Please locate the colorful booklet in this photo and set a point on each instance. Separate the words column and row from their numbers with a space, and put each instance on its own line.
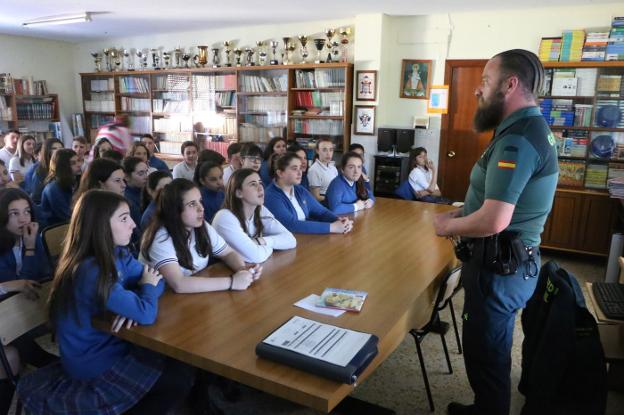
column 342, row 299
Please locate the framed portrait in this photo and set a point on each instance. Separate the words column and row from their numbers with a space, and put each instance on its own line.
column 366, row 85
column 415, row 79
column 364, row 120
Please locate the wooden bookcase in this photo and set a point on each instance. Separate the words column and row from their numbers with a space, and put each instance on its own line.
column 31, row 114
column 246, row 103
column 583, row 216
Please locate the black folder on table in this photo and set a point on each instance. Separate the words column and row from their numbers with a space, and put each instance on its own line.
column 345, row 374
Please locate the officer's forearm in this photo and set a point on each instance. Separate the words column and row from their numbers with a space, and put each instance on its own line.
column 493, row 217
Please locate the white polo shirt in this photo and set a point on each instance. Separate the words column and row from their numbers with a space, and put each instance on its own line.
column 321, row 175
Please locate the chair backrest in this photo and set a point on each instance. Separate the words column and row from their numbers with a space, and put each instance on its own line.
column 449, row 286
column 20, row 315
column 53, row 237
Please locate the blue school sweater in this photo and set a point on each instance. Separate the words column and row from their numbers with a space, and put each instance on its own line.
column 264, row 174
column 85, row 351
column 34, row 267
column 341, row 196
column 133, row 194
column 55, row 204
column 318, row 217
column 33, row 183
column 158, row 164
column 212, row 201
column 150, row 210
column 304, row 181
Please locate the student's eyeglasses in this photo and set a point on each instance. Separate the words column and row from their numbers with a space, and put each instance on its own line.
column 141, row 173
column 253, row 159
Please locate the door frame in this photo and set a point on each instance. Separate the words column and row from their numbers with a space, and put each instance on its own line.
column 449, row 66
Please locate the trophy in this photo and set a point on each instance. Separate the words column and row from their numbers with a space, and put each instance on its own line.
column 142, row 55
column 115, row 59
column 285, row 60
column 274, row 44
column 186, row 57
column 262, row 55
column 106, row 52
column 98, row 61
column 202, row 57
column 291, row 48
column 166, row 59
column 155, row 58
column 238, row 52
column 215, row 57
column 330, row 33
column 304, row 50
column 228, row 51
column 249, row 57
column 345, row 32
column 320, row 44
column 128, row 60
column 177, row 57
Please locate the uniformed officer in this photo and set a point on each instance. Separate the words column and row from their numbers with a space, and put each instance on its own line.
column 511, row 188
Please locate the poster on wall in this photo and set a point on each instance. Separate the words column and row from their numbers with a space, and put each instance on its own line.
column 364, row 120
column 415, row 79
column 366, row 85
column 438, row 99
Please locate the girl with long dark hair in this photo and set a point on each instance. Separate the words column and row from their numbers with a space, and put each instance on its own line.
column 34, row 181
column 56, row 199
column 24, row 158
column 209, row 178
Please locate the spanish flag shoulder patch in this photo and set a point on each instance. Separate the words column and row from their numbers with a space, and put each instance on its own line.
column 505, row 164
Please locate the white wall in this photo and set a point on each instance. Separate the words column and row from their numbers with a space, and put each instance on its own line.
column 44, row 60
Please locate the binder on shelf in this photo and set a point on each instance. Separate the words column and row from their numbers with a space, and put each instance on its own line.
column 322, row 349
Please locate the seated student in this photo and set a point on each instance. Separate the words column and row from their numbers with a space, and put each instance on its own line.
column 301, row 153
column 178, row 242
column 23, row 159
column 277, row 145
column 34, row 181
column 155, row 182
column 101, row 146
column 79, row 145
column 62, row 181
column 5, row 179
column 347, row 193
column 211, row 156
column 209, row 179
column 98, row 372
column 422, row 183
column 323, row 170
column 154, row 161
column 102, row 174
column 251, row 157
column 294, row 206
column 186, row 168
column 139, row 150
column 9, row 149
column 245, row 224
column 23, row 262
column 234, row 160
column 135, row 170
column 359, row 149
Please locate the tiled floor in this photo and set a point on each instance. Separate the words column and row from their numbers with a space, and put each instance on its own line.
column 397, row 384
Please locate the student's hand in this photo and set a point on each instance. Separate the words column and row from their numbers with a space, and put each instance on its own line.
column 150, row 276
column 430, row 165
column 241, row 280
column 255, row 270
column 342, row 225
column 368, row 203
column 30, row 235
column 119, row 321
column 360, row 204
column 441, row 221
column 30, row 288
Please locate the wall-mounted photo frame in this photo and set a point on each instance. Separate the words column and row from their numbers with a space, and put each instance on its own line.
column 364, row 120
column 415, row 79
column 366, row 85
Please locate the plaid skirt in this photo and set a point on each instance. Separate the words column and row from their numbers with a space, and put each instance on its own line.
column 50, row 390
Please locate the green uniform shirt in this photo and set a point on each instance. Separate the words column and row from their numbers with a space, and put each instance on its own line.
column 518, row 167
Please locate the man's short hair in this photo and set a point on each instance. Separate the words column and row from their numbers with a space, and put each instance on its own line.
column 80, row 139
column 188, row 144
column 524, row 65
column 233, row 149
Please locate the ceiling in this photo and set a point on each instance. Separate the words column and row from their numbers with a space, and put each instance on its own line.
column 121, row 18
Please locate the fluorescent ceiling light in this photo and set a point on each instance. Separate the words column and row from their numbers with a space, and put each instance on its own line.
column 60, row 19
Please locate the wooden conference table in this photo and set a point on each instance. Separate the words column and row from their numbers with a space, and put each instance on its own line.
column 392, row 253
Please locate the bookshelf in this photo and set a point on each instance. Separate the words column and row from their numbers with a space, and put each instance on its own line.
column 248, row 103
column 37, row 115
column 584, row 104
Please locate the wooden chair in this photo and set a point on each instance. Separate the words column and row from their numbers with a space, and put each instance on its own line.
column 53, row 239
column 450, row 285
column 19, row 316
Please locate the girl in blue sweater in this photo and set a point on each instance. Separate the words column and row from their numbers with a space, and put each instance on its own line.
column 34, row 180
column 155, row 182
column 294, row 206
column 136, row 179
column 102, row 174
column 98, row 372
column 277, row 145
column 23, row 263
column 209, row 178
column 56, row 199
column 348, row 192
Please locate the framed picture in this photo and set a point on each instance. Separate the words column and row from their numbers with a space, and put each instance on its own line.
column 364, row 120
column 415, row 79
column 366, row 85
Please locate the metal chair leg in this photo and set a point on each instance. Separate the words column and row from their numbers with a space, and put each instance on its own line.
column 424, row 372
column 457, row 338
column 446, row 353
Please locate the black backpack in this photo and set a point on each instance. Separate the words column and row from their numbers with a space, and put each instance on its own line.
column 563, row 364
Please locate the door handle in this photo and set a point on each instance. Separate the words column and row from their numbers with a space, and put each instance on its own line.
column 450, row 154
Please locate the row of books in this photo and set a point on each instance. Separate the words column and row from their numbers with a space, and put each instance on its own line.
column 176, row 124
column 135, row 104
column 572, row 143
column 254, row 133
column 308, row 99
column 610, row 85
column 271, row 119
column 77, row 124
column 319, row 78
column 216, row 99
column 177, row 82
column 264, row 83
column 133, row 85
column 174, row 96
column 6, row 83
column 221, row 125
column 162, row 105
column 577, row 173
column 28, row 86
column 558, row 112
column 140, row 124
column 107, row 84
column 36, row 111
column 615, row 47
column 171, row 142
column 99, row 106
column 317, row 127
column 570, row 82
column 261, row 104
column 595, row 45
column 206, row 83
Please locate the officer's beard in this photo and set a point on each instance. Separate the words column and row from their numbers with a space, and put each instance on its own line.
column 490, row 113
